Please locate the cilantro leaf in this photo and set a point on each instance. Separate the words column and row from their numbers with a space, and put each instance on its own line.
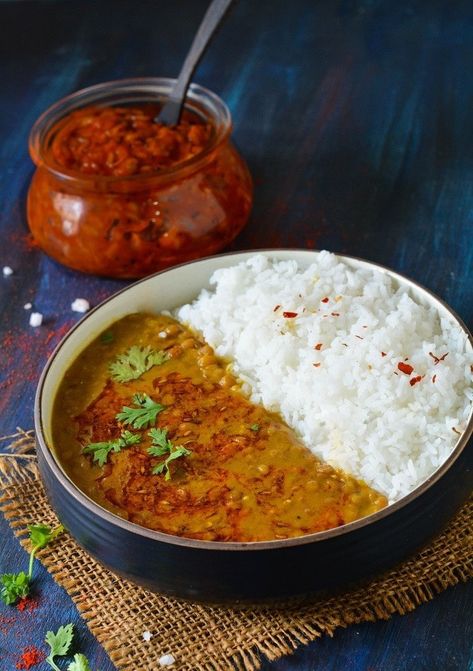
column 137, row 360
column 80, row 663
column 59, row 642
column 102, row 450
column 254, row 427
column 15, row 586
column 143, row 415
column 161, row 445
column 107, row 337
column 41, row 534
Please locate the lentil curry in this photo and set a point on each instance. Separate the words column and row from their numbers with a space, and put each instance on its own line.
column 153, row 426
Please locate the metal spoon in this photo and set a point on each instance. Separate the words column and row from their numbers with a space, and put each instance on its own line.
column 171, row 111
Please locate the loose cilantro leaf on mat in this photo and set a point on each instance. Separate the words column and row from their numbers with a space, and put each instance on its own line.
column 16, row 586
column 161, row 446
column 137, row 360
column 59, row 642
column 41, row 534
column 143, row 415
column 102, row 450
column 80, row 663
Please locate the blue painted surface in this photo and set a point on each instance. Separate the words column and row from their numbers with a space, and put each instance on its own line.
column 355, row 119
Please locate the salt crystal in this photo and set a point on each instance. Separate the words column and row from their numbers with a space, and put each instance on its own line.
column 36, row 319
column 147, row 635
column 27, row 306
column 166, row 660
column 80, row 305
column 7, row 271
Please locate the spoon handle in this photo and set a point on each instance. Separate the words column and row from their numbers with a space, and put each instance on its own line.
column 171, row 111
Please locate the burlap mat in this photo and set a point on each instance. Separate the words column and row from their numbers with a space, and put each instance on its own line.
column 205, row 638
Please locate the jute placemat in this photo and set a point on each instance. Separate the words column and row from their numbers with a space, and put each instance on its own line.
column 205, row 638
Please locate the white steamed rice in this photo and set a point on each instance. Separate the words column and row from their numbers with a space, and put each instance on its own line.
column 356, row 410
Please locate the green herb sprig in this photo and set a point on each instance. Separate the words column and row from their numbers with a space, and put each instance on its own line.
column 134, row 362
column 101, row 450
column 143, row 415
column 17, row 586
column 59, row 643
column 162, row 446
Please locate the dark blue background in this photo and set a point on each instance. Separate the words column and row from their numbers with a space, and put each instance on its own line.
column 355, row 120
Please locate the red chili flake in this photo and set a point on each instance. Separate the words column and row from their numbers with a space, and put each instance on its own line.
column 318, row 346
column 383, row 353
column 316, row 365
column 30, row 657
column 335, row 314
column 434, row 378
column 456, row 430
column 289, row 315
column 405, row 368
column 27, row 604
column 438, row 359
column 325, row 300
column 276, row 308
column 415, row 380
column 360, row 338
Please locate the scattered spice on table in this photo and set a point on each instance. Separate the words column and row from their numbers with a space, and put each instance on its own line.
column 31, row 656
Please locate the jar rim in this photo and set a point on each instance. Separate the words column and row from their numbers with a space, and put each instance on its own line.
column 199, row 99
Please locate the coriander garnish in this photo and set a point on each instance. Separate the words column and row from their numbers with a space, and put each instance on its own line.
column 255, row 427
column 16, row 586
column 137, row 360
column 80, row 663
column 162, row 446
column 106, row 338
column 102, row 450
column 142, row 416
column 59, row 642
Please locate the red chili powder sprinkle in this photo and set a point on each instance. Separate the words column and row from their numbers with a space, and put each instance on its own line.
column 318, row 346
column 434, row 378
column 383, row 353
column 438, row 359
column 30, row 657
column 405, row 368
column 27, row 604
column 325, row 300
column 415, row 380
column 276, row 308
column 289, row 315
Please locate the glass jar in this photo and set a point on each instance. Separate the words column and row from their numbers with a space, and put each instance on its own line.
column 131, row 226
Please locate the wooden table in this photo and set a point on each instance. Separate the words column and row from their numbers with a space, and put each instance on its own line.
column 355, row 119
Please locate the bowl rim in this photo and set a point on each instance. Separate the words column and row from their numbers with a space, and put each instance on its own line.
column 278, row 544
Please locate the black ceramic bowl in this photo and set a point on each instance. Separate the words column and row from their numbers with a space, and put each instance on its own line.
column 221, row 572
